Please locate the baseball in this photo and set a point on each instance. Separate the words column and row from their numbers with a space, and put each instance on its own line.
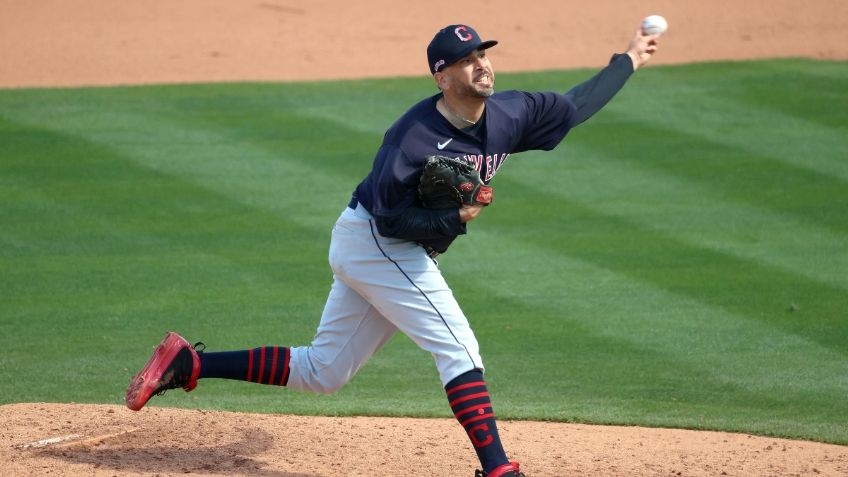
column 654, row 25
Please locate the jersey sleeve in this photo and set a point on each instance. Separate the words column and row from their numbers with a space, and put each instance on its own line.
column 549, row 116
column 592, row 95
column 546, row 121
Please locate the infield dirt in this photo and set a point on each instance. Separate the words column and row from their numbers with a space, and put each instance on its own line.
column 96, row 42
column 101, row 440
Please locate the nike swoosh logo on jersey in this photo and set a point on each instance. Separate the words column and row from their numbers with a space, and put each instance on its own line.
column 442, row 145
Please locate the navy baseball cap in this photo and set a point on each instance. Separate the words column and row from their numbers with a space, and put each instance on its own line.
column 453, row 43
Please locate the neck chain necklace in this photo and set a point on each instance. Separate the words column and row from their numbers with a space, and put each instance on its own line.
column 454, row 114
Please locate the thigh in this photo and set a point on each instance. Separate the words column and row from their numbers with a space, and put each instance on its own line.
column 406, row 287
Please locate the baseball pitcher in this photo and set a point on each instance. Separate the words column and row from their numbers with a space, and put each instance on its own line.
column 429, row 179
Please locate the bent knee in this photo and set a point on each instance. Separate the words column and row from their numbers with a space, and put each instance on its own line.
column 311, row 374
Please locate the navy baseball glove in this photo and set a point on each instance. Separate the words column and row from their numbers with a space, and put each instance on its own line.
column 447, row 182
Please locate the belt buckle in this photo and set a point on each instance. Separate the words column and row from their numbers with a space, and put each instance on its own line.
column 431, row 252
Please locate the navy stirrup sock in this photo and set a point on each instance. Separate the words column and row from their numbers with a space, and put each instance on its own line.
column 263, row 365
column 469, row 400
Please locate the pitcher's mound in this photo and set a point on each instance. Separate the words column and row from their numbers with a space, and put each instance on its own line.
column 71, row 439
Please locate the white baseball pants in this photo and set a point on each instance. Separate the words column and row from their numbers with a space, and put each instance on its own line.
column 381, row 285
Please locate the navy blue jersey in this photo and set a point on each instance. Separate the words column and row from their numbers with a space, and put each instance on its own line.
column 512, row 122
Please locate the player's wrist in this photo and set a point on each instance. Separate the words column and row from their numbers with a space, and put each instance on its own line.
column 469, row 212
column 464, row 215
column 634, row 59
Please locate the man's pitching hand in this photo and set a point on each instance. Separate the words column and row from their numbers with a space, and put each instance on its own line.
column 642, row 47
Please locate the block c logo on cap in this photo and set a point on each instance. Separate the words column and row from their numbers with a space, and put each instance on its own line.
column 462, row 33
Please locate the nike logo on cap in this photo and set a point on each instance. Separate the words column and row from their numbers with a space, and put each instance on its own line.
column 442, row 145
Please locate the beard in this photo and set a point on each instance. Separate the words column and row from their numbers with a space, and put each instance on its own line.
column 477, row 90
column 483, row 91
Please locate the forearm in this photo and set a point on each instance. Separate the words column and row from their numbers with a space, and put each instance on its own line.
column 421, row 225
column 592, row 95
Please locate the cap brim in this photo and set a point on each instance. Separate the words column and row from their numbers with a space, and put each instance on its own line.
column 486, row 45
column 482, row 46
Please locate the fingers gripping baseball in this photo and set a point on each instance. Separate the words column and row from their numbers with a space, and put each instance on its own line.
column 646, row 40
column 642, row 48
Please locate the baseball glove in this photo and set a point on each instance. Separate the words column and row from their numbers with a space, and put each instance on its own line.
column 447, row 182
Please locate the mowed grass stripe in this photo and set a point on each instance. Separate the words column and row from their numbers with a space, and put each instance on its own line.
column 743, row 287
column 112, row 195
column 689, row 211
column 280, row 161
column 137, row 224
column 760, row 181
column 791, row 140
column 91, row 201
column 791, row 111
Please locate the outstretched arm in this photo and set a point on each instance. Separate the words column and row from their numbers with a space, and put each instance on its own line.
column 591, row 95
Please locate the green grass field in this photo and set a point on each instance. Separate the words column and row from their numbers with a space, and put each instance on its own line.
column 681, row 260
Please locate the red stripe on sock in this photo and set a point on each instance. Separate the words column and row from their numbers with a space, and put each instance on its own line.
column 465, row 386
column 471, row 409
column 468, row 398
column 273, row 365
column 477, row 418
column 261, row 364
column 284, row 379
column 250, row 365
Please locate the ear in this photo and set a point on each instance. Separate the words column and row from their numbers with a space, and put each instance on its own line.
column 442, row 81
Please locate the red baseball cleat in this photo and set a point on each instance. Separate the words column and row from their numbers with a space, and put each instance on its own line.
column 174, row 364
column 506, row 470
